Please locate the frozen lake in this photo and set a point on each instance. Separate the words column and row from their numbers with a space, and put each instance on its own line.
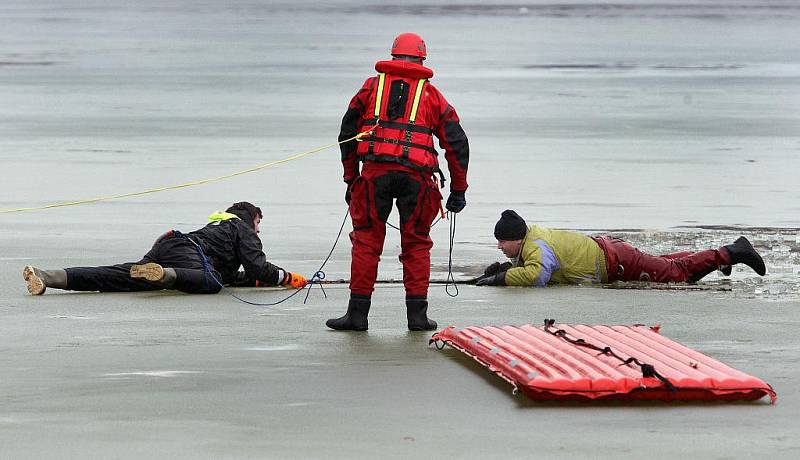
column 673, row 124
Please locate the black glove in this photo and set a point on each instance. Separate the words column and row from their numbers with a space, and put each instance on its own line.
column 498, row 279
column 496, row 267
column 349, row 191
column 456, row 202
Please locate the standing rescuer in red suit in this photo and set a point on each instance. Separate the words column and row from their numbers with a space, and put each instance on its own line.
column 399, row 163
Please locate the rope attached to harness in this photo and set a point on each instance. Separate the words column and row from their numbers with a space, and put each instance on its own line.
column 648, row 370
column 320, row 275
column 210, row 274
column 188, row 184
column 450, row 280
column 315, row 279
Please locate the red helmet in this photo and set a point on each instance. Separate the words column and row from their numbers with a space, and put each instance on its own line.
column 409, row 44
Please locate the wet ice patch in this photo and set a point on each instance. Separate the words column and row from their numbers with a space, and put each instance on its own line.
column 71, row 317
column 278, row 312
column 288, row 347
column 26, row 63
column 10, row 421
column 158, row 374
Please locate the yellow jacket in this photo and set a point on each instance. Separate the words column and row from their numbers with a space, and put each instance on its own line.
column 558, row 257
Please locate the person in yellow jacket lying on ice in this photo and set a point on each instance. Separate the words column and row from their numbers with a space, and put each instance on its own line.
column 199, row 262
column 541, row 256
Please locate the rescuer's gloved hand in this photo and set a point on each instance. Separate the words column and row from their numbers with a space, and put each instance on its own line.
column 456, row 202
column 496, row 267
column 348, row 192
column 498, row 279
column 294, row 280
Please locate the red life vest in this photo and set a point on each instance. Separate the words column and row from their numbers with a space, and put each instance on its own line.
column 402, row 133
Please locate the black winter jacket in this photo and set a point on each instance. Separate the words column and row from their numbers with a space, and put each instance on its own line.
column 233, row 243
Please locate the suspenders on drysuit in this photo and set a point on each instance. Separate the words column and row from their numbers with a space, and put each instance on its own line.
column 381, row 146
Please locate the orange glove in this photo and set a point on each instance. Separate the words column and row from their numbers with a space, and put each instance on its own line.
column 294, row 280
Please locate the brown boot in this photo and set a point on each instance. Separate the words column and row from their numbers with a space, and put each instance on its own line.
column 39, row 280
column 155, row 273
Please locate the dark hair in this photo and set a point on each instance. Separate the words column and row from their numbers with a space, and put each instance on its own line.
column 243, row 207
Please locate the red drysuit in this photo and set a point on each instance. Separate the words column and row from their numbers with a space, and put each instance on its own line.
column 399, row 163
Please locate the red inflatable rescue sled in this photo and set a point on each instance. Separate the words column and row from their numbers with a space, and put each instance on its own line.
column 564, row 362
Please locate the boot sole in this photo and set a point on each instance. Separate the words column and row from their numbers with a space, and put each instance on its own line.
column 423, row 328
column 150, row 271
column 355, row 329
column 35, row 284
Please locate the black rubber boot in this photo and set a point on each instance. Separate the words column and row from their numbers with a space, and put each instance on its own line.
column 742, row 252
column 417, row 313
column 356, row 317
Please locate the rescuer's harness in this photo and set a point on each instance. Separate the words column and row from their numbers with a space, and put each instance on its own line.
column 394, row 140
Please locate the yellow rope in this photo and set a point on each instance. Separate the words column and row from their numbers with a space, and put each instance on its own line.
column 357, row 137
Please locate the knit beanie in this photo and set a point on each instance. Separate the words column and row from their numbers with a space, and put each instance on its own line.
column 510, row 227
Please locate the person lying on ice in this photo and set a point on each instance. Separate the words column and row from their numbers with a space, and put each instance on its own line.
column 542, row 256
column 230, row 240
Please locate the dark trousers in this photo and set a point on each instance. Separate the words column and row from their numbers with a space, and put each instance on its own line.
column 418, row 201
column 627, row 263
column 171, row 252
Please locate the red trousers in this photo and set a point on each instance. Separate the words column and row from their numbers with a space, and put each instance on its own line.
column 418, row 202
column 626, row 263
